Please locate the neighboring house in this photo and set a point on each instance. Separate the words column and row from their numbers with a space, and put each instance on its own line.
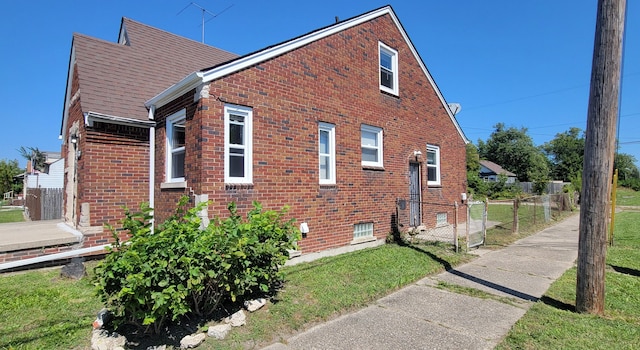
column 339, row 124
column 490, row 171
column 42, row 189
column 52, row 176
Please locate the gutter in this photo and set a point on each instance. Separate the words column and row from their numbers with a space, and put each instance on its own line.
column 91, row 117
column 152, row 165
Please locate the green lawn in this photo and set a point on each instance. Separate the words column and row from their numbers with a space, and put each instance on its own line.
column 41, row 311
column 13, row 215
column 530, row 220
column 627, row 196
column 552, row 323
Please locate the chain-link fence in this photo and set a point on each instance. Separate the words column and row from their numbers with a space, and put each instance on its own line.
column 529, row 212
column 424, row 221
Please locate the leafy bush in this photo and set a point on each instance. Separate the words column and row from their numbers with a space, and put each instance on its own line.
column 631, row 183
column 181, row 268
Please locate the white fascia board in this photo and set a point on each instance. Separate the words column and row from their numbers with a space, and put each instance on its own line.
column 176, row 90
column 241, row 63
column 197, row 78
column 429, row 77
column 67, row 95
column 271, row 52
column 91, row 117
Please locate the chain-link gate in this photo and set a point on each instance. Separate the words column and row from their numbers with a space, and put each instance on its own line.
column 476, row 223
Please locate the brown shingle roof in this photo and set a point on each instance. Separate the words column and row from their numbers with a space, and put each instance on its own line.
column 117, row 79
column 495, row 168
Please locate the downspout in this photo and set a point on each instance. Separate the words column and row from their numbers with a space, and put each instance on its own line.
column 152, row 165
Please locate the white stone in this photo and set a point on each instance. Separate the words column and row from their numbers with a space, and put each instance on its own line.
column 236, row 320
column 219, row 331
column 103, row 340
column 192, row 341
column 254, row 305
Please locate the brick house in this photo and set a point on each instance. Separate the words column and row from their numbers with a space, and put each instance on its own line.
column 343, row 124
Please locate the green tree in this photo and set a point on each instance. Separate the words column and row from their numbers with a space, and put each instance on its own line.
column 34, row 155
column 566, row 153
column 8, row 170
column 626, row 165
column 514, row 150
column 475, row 184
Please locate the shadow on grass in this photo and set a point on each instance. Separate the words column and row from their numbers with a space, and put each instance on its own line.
column 560, row 305
column 626, row 270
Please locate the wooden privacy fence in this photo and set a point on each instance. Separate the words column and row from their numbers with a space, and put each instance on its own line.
column 44, row 203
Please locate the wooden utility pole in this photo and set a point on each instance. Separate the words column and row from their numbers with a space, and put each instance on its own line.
column 598, row 155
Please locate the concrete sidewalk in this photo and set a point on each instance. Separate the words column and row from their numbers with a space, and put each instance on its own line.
column 421, row 316
column 36, row 234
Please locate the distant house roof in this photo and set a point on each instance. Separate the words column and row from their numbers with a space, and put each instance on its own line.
column 117, row 78
column 495, row 169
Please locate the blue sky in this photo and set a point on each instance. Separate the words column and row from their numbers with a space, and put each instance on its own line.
column 523, row 63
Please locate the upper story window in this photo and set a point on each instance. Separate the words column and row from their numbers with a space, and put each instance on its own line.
column 433, row 165
column 327, row 153
column 175, row 146
column 388, row 69
column 238, row 149
column 371, row 142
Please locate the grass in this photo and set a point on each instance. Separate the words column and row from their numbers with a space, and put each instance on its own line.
column 627, row 197
column 13, row 215
column 530, row 220
column 42, row 311
column 552, row 322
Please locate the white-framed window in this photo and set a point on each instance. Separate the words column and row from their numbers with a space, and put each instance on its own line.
column 327, row 153
column 433, row 165
column 238, row 148
column 371, row 142
column 363, row 230
column 388, row 69
column 441, row 219
column 175, row 146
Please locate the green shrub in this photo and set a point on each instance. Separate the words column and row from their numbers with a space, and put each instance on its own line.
column 181, row 268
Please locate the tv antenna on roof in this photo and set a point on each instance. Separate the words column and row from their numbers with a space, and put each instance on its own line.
column 204, row 12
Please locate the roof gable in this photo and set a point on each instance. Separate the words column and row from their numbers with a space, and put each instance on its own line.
column 116, row 78
column 495, row 168
column 218, row 71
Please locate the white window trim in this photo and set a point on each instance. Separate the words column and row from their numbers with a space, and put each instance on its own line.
column 331, row 129
column 171, row 120
column 379, row 138
column 436, row 149
column 247, row 113
column 394, row 68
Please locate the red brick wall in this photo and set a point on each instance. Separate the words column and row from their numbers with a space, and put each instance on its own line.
column 332, row 80
column 113, row 171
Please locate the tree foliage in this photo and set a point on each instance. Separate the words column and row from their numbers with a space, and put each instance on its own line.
column 35, row 156
column 182, row 269
column 8, row 170
column 566, row 154
column 514, row 150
